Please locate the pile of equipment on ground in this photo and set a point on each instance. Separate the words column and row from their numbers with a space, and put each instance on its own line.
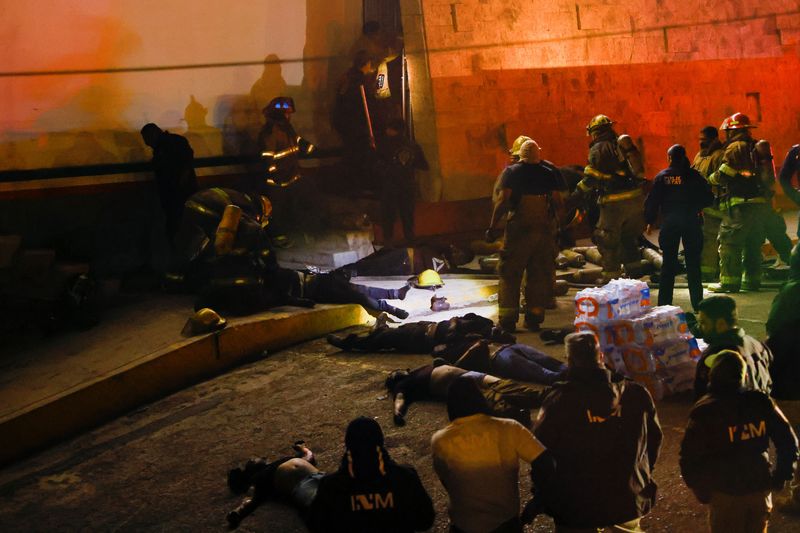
column 651, row 345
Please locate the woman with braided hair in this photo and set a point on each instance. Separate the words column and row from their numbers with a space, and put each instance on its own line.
column 369, row 492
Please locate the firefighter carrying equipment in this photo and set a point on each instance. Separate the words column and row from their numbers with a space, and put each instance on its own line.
column 203, row 321
column 427, row 279
column 598, row 122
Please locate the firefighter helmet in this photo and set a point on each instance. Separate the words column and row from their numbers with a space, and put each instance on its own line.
column 280, row 104
column 517, row 145
column 598, row 122
column 737, row 121
column 427, row 279
column 203, row 321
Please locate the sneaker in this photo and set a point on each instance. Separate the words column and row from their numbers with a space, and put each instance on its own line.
column 719, row 288
column 751, row 288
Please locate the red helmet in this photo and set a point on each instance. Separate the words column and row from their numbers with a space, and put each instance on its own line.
column 737, row 121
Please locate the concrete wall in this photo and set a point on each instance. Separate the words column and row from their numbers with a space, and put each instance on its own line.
column 662, row 69
column 79, row 79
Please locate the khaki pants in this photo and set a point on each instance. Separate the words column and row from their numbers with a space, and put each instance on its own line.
column 709, row 258
column 740, row 236
column 748, row 513
column 529, row 249
column 631, row 526
column 621, row 222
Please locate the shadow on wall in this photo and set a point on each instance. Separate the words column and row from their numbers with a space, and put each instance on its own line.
column 240, row 114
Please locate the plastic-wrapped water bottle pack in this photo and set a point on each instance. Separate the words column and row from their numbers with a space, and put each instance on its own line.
column 651, row 345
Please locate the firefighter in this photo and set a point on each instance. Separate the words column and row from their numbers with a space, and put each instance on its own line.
column 679, row 193
column 706, row 161
column 530, row 193
column 281, row 148
column 621, row 200
column 745, row 176
column 223, row 249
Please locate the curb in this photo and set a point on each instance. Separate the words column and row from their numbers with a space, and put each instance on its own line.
column 158, row 374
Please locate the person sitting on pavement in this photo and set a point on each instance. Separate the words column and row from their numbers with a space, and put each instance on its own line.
column 783, row 328
column 724, row 456
column 718, row 322
column 438, row 338
column 369, row 492
column 477, row 459
column 604, row 434
column 506, row 397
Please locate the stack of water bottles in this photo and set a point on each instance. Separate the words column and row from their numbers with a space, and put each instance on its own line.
column 651, row 345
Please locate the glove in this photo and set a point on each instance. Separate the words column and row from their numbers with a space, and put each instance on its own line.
column 491, row 235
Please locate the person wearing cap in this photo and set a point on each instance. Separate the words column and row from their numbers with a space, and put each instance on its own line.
column 783, row 329
column 397, row 160
column 724, row 455
column 604, row 434
column 679, row 195
column 611, row 176
column 717, row 319
column 531, row 194
column 369, row 492
column 477, row 459
column 706, row 161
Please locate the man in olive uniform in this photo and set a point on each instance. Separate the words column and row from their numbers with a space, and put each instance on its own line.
column 746, row 175
column 530, row 192
column 706, row 161
column 621, row 200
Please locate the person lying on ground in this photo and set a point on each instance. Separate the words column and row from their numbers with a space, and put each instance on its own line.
column 437, row 338
column 335, row 287
column 369, row 492
column 506, row 398
column 520, row 362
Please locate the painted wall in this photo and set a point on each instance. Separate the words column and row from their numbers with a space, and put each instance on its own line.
column 662, row 69
column 79, row 79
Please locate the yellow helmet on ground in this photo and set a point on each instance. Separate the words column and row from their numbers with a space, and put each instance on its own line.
column 203, row 321
column 427, row 279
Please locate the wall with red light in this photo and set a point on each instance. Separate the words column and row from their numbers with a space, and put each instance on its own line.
column 662, row 69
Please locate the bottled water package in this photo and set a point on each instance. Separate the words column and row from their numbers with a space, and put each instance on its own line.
column 638, row 360
column 613, row 357
column 676, row 352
